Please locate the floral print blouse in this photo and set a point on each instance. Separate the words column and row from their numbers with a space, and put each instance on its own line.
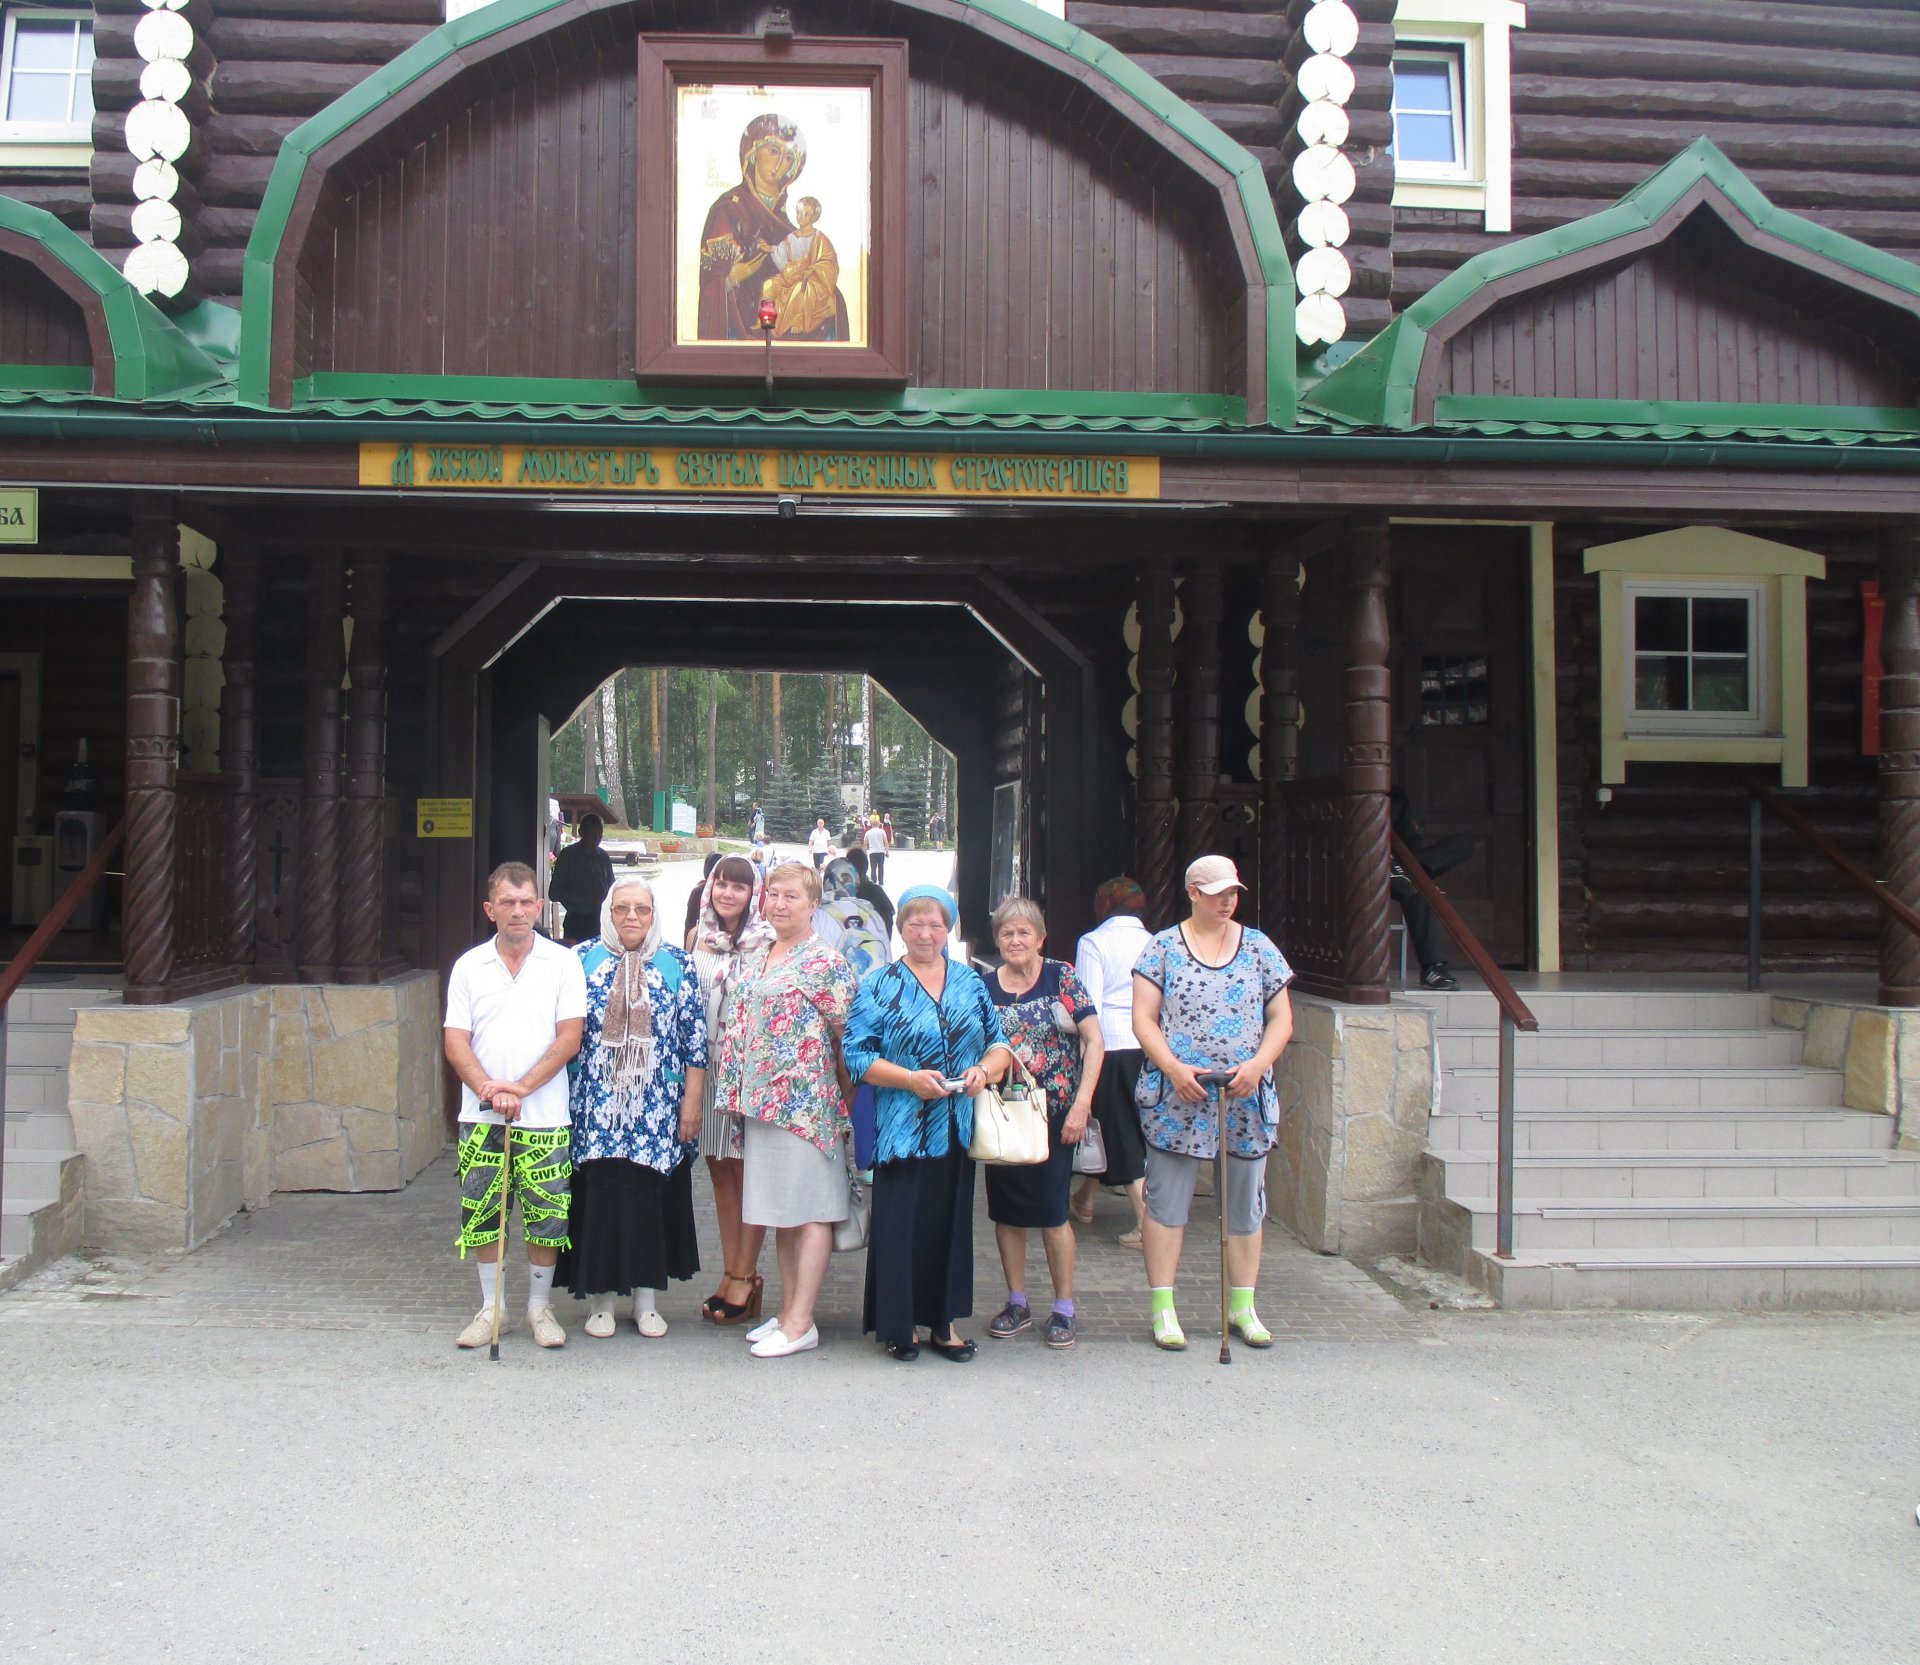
column 779, row 1053
column 652, row 1138
column 1213, row 1017
column 1051, row 1056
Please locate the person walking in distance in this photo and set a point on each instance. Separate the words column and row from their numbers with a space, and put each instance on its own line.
column 582, row 875
column 820, row 843
column 516, row 1006
column 876, row 845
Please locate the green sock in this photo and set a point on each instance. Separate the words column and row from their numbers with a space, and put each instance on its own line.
column 1238, row 1301
column 1162, row 1300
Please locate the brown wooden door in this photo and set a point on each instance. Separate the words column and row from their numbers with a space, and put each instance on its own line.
column 9, row 785
column 1460, row 664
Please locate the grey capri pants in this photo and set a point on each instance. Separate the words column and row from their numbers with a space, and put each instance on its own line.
column 1171, row 1180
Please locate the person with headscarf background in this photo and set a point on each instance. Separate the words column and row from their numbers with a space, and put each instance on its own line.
column 727, row 925
column 846, row 922
column 917, row 1024
column 635, row 1105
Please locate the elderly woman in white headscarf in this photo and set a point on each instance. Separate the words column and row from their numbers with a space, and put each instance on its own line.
column 636, row 1098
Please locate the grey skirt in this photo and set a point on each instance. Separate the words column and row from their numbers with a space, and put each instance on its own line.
column 790, row 1181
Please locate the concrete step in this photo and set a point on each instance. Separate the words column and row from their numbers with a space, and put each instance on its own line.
column 1475, row 1087
column 1575, row 1009
column 1663, row 1173
column 1675, row 1280
column 1698, row 1224
column 1635, row 1049
column 38, row 1229
column 34, row 1175
column 56, row 1003
column 39, row 1130
column 1543, row 1132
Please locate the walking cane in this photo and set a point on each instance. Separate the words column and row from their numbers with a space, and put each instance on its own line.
column 1217, row 1080
column 506, row 1209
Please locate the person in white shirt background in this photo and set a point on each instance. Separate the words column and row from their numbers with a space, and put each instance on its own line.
column 820, row 843
column 876, row 844
column 1104, row 965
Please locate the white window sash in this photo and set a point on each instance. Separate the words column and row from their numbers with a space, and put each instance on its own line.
column 41, row 132
column 1462, row 167
column 1753, row 720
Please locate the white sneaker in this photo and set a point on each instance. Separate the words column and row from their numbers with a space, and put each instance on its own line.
column 600, row 1322
column 546, row 1328
column 650, row 1324
column 480, row 1332
column 777, row 1346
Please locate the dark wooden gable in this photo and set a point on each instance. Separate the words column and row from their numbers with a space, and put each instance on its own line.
column 489, row 229
column 39, row 324
column 1698, row 317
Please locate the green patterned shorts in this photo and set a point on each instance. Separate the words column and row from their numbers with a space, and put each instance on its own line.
column 542, row 1174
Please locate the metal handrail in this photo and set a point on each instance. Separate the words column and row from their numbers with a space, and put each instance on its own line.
column 23, row 962
column 1514, row 1016
column 1760, row 795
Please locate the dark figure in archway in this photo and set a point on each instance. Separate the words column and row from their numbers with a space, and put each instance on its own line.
column 582, row 876
column 1441, row 855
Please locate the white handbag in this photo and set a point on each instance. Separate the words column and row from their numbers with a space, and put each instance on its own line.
column 1090, row 1155
column 850, row 1234
column 1010, row 1127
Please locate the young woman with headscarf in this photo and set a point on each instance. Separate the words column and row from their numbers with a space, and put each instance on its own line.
column 635, row 1104
column 727, row 925
column 917, row 1024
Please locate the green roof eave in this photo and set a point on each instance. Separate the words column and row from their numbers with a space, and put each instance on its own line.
column 450, row 39
column 1375, row 387
column 151, row 358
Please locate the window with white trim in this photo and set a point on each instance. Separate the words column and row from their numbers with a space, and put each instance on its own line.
column 46, row 75
column 460, row 8
column 1696, row 656
column 1453, row 106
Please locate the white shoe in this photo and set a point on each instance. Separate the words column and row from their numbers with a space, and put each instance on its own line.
column 762, row 1330
column 600, row 1322
column 546, row 1328
column 650, row 1323
column 480, row 1332
column 777, row 1346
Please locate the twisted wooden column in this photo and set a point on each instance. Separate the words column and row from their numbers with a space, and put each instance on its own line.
column 239, row 739
column 360, row 848
column 1368, row 770
column 1279, row 731
column 320, row 782
column 1153, row 745
column 1900, row 761
column 153, row 757
column 1199, row 777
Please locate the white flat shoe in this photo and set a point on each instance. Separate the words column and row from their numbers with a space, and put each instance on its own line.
column 778, row 1346
column 650, row 1324
column 599, row 1323
column 761, row 1331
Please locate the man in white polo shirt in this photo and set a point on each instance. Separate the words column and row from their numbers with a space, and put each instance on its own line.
column 515, row 1008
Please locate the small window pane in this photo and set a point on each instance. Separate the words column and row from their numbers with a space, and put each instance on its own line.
column 1660, row 682
column 1424, row 138
column 1720, row 624
column 38, row 97
column 43, row 43
column 1660, row 624
column 1720, row 685
column 1422, row 84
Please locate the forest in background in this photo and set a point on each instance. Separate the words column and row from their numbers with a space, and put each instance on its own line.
column 795, row 743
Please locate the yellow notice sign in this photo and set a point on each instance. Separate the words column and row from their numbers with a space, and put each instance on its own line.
column 19, row 514
column 444, row 817
column 669, row 471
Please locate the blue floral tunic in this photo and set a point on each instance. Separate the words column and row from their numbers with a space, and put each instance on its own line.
column 896, row 1019
column 1213, row 1017
column 680, row 1044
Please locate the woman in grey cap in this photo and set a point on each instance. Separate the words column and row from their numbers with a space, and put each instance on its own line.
column 1209, row 994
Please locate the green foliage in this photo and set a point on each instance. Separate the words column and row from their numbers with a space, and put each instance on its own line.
column 786, row 803
column 901, row 792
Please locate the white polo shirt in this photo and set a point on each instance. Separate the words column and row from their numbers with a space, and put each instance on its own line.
column 877, row 839
column 513, row 1021
column 1104, row 964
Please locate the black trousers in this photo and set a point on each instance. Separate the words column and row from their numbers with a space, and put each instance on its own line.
column 1424, row 936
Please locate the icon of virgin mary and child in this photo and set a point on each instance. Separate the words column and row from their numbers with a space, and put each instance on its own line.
column 750, row 250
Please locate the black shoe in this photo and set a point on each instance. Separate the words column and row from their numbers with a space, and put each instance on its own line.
column 1436, row 976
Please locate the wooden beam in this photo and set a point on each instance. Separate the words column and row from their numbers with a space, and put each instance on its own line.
column 1900, row 761
column 1368, row 768
column 153, row 755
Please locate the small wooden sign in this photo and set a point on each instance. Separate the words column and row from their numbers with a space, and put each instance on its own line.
column 19, row 514
column 444, row 817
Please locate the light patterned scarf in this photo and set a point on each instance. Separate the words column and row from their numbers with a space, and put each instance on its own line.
column 623, row 1061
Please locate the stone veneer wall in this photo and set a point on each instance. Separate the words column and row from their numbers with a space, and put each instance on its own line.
column 1357, row 1085
column 1876, row 1047
column 188, row 1113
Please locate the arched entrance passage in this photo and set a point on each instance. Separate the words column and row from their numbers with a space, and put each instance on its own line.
column 989, row 678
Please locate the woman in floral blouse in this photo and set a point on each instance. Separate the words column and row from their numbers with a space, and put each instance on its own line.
column 1210, row 994
column 1055, row 1031
column 780, row 1071
column 635, row 1106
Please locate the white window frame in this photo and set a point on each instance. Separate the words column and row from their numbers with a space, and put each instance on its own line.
column 1753, row 720
column 460, row 8
column 41, row 144
column 1701, row 560
column 1454, row 59
column 1478, row 31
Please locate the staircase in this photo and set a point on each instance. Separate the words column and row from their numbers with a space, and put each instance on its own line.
column 40, row 1216
column 1671, row 1152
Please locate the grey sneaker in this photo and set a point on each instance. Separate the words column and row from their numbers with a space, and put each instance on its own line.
column 1059, row 1330
column 1012, row 1319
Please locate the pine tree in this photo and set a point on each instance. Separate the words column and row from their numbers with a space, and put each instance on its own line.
column 823, row 794
column 902, row 793
column 786, row 803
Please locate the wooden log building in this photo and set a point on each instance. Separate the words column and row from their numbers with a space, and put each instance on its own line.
column 1245, row 408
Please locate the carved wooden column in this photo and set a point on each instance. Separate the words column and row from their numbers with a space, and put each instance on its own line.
column 320, row 784
column 1153, row 745
column 1368, row 769
column 361, row 852
column 1199, row 776
column 1279, row 731
column 1900, row 760
column 239, row 738
column 153, row 756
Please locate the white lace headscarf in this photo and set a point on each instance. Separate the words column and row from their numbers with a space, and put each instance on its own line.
column 623, row 1061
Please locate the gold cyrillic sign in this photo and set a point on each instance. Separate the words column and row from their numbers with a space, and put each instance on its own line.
column 19, row 514
column 444, row 817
